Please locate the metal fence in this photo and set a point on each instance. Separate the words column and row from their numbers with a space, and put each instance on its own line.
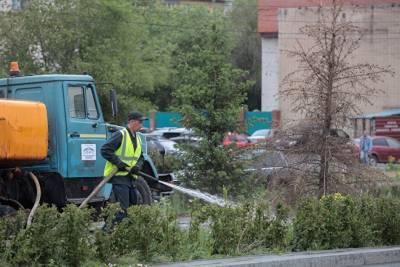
column 253, row 121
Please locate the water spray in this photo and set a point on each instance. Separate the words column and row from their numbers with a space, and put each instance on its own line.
column 212, row 199
column 194, row 193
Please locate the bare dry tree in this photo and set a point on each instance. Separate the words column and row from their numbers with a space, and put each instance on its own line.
column 328, row 88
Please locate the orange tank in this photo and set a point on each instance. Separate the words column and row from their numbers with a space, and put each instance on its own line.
column 23, row 130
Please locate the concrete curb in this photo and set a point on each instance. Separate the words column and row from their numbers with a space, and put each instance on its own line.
column 371, row 257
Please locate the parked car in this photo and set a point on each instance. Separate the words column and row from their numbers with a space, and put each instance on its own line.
column 304, row 134
column 187, row 139
column 261, row 135
column 266, row 161
column 383, row 147
column 171, row 132
column 240, row 140
column 162, row 145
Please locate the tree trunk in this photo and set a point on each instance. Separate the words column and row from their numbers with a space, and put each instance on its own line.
column 323, row 172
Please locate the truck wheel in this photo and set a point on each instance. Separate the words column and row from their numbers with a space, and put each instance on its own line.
column 143, row 192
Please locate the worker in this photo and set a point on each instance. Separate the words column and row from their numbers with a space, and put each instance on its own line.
column 124, row 151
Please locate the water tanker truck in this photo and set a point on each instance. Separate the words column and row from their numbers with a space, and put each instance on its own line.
column 53, row 127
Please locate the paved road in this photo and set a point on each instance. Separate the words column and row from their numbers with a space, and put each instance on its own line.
column 371, row 257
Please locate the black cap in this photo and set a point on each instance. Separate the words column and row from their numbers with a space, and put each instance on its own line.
column 135, row 115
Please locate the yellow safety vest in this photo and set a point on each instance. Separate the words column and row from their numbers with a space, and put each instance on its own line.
column 126, row 153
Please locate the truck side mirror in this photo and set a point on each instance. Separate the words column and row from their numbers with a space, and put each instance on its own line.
column 114, row 104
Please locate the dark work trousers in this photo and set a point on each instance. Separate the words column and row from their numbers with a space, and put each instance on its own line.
column 125, row 195
column 124, row 190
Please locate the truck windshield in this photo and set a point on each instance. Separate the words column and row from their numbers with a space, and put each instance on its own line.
column 2, row 93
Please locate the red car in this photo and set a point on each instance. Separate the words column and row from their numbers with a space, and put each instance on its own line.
column 240, row 140
column 383, row 147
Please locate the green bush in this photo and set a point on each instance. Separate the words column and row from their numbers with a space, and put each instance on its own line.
column 152, row 233
column 386, row 220
column 277, row 232
column 149, row 231
column 240, row 229
column 337, row 221
column 9, row 229
column 74, row 236
column 37, row 244
column 104, row 238
column 53, row 238
column 199, row 243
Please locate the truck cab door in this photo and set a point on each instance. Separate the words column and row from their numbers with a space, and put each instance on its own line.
column 86, row 131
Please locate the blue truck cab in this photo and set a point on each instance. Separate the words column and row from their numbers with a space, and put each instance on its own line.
column 77, row 130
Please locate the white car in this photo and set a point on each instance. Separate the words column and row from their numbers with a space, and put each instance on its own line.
column 171, row 132
column 260, row 135
column 163, row 145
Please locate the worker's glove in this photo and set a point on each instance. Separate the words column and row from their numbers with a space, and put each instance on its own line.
column 135, row 170
column 122, row 166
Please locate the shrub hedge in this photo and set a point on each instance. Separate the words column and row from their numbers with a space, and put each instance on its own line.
column 152, row 233
column 337, row 221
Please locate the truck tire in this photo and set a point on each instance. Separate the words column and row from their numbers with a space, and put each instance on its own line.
column 143, row 192
column 53, row 190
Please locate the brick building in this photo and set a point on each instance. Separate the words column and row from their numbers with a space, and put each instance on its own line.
column 279, row 23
